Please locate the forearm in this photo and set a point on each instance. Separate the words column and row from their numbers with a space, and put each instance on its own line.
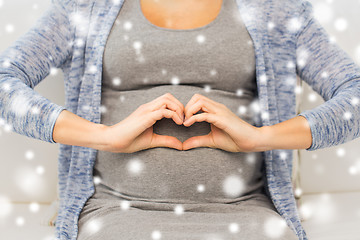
column 72, row 129
column 294, row 133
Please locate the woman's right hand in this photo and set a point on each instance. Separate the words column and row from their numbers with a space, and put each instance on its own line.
column 135, row 132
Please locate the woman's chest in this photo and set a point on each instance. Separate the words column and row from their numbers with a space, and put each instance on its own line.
column 180, row 14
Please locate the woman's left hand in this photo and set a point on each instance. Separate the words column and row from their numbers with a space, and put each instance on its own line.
column 228, row 131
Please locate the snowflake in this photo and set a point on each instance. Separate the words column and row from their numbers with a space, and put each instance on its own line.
column 270, row 25
column 8, row 127
column 6, row 63
column 116, row 81
column 312, row 97
column 283, row 155
column 20, row 104
column 255, row 106
column 340, row 152
column 200, row 188
column 103, row 109
column 290, row 65
column 302, row 58
column 200, row 38
column 125, row 204
column 332, row 39
column 135, row 166
column 263, row 78
column 175, row 80
column 298, row 90
column 341, row 24
column 324, row 74
column 265, row 115
column 156, row 235
column 250, row 158
column 86, row 108
column 207, row 88
column 20, row 221
column 274, row 227
column 242, row 109
column 213, row 72
column 306, row 210
column 137, row 45
column 40, row 170
column 34, row 207
column 80, row 42
column 294, row 24
column 6, row 87
column 93, row 69
column 116, row 2
column 179, row 209
column 298, row 192
column 239, row 92
column 96, row 180
column 355, row 101
column 233, row 186
column 29, row 155
column 234, row 227
column 127, row 25
column 93, row 226
column 323, row 12
column 347, row 115
column 353, row 170
column 9, row 28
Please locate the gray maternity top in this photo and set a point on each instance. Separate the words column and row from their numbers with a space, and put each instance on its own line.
column 141, row 62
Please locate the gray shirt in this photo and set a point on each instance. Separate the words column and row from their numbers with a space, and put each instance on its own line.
column 143, row 61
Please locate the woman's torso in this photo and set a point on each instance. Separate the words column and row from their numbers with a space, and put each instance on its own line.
column 143, row 61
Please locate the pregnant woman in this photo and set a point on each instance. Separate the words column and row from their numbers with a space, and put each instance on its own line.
column 180, row 115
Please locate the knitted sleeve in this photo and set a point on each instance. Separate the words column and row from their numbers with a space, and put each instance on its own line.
column 330, row 72
column 24, row 64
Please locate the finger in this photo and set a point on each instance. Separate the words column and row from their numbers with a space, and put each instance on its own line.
column 176, row 101
column 201, row 104
column 207, row 117
column 165, row 141
column 198, row 141
column 170, row 104
column 198, row 96
column 163, row 112
column 171, row 98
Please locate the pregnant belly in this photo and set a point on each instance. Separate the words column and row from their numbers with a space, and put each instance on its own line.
column 166, row 174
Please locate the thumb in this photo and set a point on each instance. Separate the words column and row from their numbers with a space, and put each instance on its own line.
column 198, row 141
column 165, row 141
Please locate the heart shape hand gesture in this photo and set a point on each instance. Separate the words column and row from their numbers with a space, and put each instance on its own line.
column 228, row 131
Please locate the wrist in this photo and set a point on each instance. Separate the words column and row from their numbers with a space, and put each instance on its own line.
column 101, row 141
column 263, row 142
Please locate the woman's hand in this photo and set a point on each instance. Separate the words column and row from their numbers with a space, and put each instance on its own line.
column 135, row 132
column 228, row 131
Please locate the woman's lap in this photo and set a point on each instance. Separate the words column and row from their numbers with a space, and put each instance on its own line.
column 253, row 219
